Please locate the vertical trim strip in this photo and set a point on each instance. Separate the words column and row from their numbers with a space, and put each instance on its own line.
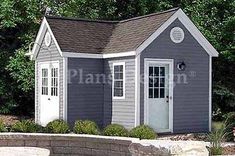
column 65, row 86
column 210, row 90
column 35, row 92
column 137, row 90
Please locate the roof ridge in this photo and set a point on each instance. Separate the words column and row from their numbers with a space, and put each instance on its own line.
column 110, row 21
column 148, row 15
column 81, row 19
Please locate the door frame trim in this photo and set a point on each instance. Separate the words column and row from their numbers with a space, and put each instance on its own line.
column 171, row 85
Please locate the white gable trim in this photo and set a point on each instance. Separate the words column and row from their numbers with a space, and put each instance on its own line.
column 100, row 56
column 191, row 28
column 39, row 39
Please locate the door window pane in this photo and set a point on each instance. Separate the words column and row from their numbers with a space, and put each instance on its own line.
column 157, row 82
column 162, row 71
column 156, row 71
column 54, row 81
column 44, row 77
column 162, row 93
column 150, row 92
column 150, row 71
column 156, row 93
column 162, row 82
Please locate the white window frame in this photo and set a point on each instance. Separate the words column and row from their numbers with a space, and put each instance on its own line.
column 124, row 80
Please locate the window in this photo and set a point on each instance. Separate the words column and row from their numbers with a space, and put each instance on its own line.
column 119, row 80
column 44, row 81
column 156, row 82
column 54, row 81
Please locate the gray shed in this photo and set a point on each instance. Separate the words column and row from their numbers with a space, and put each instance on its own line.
column 154, row 69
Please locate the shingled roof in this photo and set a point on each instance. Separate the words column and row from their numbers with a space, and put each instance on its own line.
column 96, row 37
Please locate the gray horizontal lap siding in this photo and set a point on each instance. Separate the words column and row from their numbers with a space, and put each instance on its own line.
column 120, row 111
column 85, row 99
column 191, row 100
column 47, row 54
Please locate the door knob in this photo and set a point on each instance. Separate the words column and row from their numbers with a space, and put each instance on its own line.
column 49, row 99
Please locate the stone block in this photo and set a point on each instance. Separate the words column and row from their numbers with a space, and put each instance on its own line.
column 3, row 143
column 43, row 143
column 77, row 143
column 15, row 143
column 31, row 143
column 114, row 147
column 55, row 143
column 98, row 152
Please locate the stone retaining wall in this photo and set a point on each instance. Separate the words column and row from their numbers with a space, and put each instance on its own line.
column 69, row 144
column 76, row 144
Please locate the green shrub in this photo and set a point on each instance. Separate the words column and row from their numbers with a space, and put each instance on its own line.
column 230, row 124
column 115, row 130
column 216, row 150
column 57, row 126
column 216, row 138
column 86, row 127
column 143, row 132
column 2, row 127
column 26, row 126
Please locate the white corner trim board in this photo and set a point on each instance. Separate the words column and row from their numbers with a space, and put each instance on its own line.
column 137, row 90
column 39, row 39
column 65, row 86
column 190, row 27
column 210, row 92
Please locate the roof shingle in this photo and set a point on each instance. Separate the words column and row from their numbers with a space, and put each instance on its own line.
column 93, row 36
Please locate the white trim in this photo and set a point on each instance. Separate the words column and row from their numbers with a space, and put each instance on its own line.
column 121, row 54
column 210, row 91
column 191, row 28
column 39, row 38
column 82, row 55
column 87, row 55
column 124, row 80
column 137, row 90
column 65, row 86
column 36, row 95
column 171, row 82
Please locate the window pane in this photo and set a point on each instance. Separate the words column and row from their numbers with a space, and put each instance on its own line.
column 150, row 82
column 156, row 93
column 118, row 92
column 162, row 93
column 150, row 93
column 156, row 71
column 44, row 83
column 162, row 71
column 150, row 71
column 162, row 82
column 121, row 68
column 118, row 75
column 118, row 84
column 54, row 82
column 156, row 82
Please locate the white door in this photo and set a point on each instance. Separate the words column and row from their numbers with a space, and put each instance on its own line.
column 159, row 95
column 49, row 92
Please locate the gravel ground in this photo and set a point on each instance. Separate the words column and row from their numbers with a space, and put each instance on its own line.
column 228, row 147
